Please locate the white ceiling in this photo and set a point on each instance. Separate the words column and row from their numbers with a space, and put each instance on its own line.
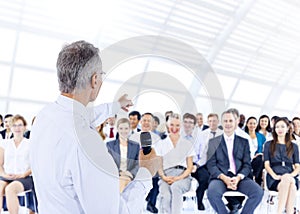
column 253, row 47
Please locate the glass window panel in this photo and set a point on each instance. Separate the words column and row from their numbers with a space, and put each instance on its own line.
column 246, row 110
column 3, row 107
column 34, row 85
column 5, row 75
column 280, row 113
column 7, row 44
column 38, row 50
column 204, row 106
column 251, row 92
column 156, row 102
column 287, row 100
column 127, row 69
column 228, row 84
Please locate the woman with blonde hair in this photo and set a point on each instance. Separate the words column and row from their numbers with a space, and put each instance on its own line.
column 15, row 172
column 177, row 164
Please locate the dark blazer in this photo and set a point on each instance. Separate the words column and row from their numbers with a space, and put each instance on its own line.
column 3, row 133
column 218, row 161
column 204, row 127
column 132, row 154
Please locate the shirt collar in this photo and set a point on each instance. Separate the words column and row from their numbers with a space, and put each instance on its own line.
column 228, row 137
column 74, row 106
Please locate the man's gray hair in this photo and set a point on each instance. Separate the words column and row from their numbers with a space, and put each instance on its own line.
column 76, row 64
column 235, row 112
column 232, row 111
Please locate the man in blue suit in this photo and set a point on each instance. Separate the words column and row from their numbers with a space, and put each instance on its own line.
column 229, row 167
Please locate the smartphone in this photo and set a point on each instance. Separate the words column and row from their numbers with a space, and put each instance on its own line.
column 146, row 142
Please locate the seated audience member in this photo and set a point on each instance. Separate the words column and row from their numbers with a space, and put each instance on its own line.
column 200, row 125
column 155, row 124
column 109, row 129
column 229, row 167
column 201, row 145
column 177, row 164
column 134, row 118
column 242, row 121
column 1, row 125
column 281, row 158
column 273, row 119
column 27, row 132
column 15, row 172
column 146, row 126
column 264, row 127
column 296, row 133
column 258, row 140
column 7, row 133
column 125, row 153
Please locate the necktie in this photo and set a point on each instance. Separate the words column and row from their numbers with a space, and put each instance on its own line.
column 232, row 166
column 111, row 133
column 213, row 133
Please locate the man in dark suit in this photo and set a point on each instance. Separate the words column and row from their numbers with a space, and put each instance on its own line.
column 134, row 118
column 200, row 125
column 229, row 167
column 6, row 133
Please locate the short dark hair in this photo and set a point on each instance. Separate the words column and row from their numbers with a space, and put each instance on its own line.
column 133, row 113
column 156, row 119
column 148, row 113
column 8, row 115
column 190, row 116
column 296, row 118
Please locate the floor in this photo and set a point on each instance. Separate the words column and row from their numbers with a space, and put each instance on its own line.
column 190, row 207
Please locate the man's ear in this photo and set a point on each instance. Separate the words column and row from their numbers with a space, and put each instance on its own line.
column 94, row 80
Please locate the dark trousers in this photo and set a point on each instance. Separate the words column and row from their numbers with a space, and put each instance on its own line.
column 152, row 195
column 202, row 176
column 257, row 167
column 216, row 189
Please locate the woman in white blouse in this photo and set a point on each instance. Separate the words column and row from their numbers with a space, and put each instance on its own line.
column 15, row 172
column 177, row 154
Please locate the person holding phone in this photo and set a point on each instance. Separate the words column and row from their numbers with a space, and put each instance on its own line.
column 177, row 164
column 125, row 153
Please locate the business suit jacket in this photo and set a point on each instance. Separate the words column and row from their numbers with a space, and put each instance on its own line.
column 132, row 154
column 3, row 133
column 218, row 161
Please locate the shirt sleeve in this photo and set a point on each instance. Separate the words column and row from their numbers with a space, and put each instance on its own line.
column 100, row 113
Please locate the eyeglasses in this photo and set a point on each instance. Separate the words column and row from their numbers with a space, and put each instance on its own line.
column 188, row 122
column 17, row 125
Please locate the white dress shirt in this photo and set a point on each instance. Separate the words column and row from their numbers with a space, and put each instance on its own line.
column 16, row 159
column 106, row 131
column 240, row 132
column 173, row 156
column 66, row 179
column 201, row 145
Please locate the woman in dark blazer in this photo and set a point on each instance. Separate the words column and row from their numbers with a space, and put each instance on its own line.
column 258, row 140
column 125, row 153
column 281, row 158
